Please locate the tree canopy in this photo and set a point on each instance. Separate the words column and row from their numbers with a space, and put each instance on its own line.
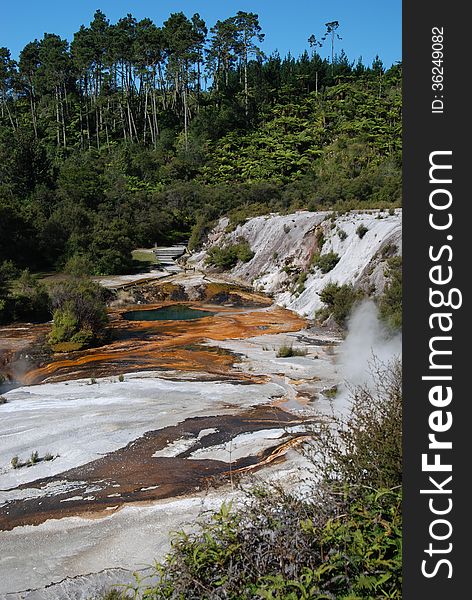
column 133, row 132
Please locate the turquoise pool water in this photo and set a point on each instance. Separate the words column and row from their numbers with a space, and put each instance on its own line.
column 177, row 312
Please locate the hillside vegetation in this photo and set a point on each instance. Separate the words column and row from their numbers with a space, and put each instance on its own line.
column 133, row 133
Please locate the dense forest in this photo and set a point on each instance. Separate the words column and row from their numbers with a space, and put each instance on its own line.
column 135, row 133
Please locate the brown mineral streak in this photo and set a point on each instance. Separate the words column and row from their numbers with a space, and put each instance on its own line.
column 147, row 345
column 130, row 470
column 166, row 344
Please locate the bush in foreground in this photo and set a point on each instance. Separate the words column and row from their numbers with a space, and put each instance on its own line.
column 342, row 541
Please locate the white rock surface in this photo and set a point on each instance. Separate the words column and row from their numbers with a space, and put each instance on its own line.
column 80, row 422
column 288, row 242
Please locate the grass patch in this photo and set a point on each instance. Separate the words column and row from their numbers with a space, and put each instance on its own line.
column 34, row 459
column 286, row 351
column 67, row 347
column 144, row 256
column 330, row 392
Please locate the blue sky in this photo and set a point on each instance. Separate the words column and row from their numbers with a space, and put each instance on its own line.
column 367, row 27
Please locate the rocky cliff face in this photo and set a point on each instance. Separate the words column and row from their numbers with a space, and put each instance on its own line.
column 286, row 248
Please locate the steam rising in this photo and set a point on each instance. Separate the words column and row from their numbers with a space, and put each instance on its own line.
column 367, row 341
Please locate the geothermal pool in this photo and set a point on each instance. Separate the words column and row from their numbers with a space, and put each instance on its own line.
column 177, row 312
column 145, row 433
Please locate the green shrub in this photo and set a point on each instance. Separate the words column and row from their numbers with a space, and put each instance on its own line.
column 299, row 286
column 34, row 458
column 80, row 315
column 362, row 230
column 319, row 239
column 28, row 300
column 84, row 337
column 367, row 446
column 3, row 400
column 121, row 378
column 64, row 326
column 342, row 234
column 326, row 262
column 15, row 462
column 239, row 216
column 202, row 226
column 226, row 257
column 389, row 250
column 391, row 302
column 339, row 300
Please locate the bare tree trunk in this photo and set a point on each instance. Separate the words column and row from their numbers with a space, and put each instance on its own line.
column 97, row 125
column 33, row 115
column 185, row 118
column 146, row 94
column 163, row 86
column 123, row 121
column 87, row 120
column 106, row 123
column 154, row 118
column 58, row 120
column 10, row 117
column 246, row 89
column 81, row 125
column 63, row 120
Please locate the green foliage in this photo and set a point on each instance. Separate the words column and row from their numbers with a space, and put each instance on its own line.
column 110, row 143
column 79, row 265
column 362, row 230
column 367, row 447
column 65, row 326
column 200, row 229
column 325, row 262
column 339, row 300
column 286, row 351
column 79, row 313
column 299, row 286
column 391, row 302
column 24, row 298
column 226, row 257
